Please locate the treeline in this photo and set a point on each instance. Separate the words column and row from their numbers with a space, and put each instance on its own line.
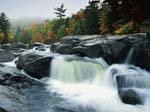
column 112, row 16
column 84, row 22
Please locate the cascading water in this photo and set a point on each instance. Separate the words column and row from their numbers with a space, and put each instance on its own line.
column 74, row 79
column 129, row 56
column 75, row 69
column 131, row 77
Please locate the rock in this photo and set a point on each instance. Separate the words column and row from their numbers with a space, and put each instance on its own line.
column 11, row 99
column 114, row 49
column 26, row 58
column 2, row 110
column 14, row 88
column 64, row 49
column 94, row 51
column 35, row 65
column 129, row 96
column 54, row 47
column 6, row 56
column 141, row 56
column 21, row 46
column 10, row 76
column 18, row 52
column 38, row 68
column 6, row 46
column 37, row 44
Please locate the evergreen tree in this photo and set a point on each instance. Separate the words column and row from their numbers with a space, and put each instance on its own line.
column 4, row 28
column 60, row 11
column 91, row 14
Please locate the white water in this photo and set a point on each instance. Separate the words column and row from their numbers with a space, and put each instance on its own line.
column 12, row 63
column 90, row 84
column 101, row 96
column 129, row 56
column 75, row 69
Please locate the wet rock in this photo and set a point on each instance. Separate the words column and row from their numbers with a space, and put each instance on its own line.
column 141, row 57
column 38, row 68
column 27, row 58
column 11, row 99
column 6, row 56
column 6, row 47
column 20, row 46
column 114, row 49
column 18, row 52
column 130, row 96
column 54, row 47
column 37, row 44
column 2, row 110
column 64, row 49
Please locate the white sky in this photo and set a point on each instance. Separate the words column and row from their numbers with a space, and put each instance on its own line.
column 38, row 8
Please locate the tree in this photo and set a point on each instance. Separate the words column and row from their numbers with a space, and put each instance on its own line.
column 137, row 10
column 91, row 14
column 60, row 11
column 4, row 28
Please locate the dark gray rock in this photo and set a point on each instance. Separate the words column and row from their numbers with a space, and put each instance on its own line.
column 20, row 46
column 10, row 76
column 114, row 49
column 37, row 44
column 6, row 47
column 54, row 47
column 18, row 52
column 65, row 49
column 13, row 90
column 27, row 58
column 130, row 96
column 6, row 56
column 141, row 56
column 2, row 110
column 38, row 68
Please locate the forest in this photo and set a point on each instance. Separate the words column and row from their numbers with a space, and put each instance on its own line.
column 109, row 17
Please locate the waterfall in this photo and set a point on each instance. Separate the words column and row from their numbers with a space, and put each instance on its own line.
column 131, row 77
column 129, row 56
column 73, row 78
column 76, row 69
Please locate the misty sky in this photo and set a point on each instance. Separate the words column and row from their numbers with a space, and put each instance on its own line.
column 38, row 8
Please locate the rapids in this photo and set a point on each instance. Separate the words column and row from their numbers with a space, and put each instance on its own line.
column 90, row 84
column 81, row 84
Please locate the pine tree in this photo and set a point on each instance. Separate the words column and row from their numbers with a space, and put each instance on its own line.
column 4, row 28
column 60, row 11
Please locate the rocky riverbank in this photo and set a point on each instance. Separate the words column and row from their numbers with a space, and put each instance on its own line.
column 33, row 64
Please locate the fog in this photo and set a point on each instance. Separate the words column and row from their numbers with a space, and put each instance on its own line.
column 39, row 8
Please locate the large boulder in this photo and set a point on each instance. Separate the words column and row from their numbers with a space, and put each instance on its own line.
column 130, row 96
column 26, row 58
column 35, row 65
column 38, row 68
column 6, row 56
